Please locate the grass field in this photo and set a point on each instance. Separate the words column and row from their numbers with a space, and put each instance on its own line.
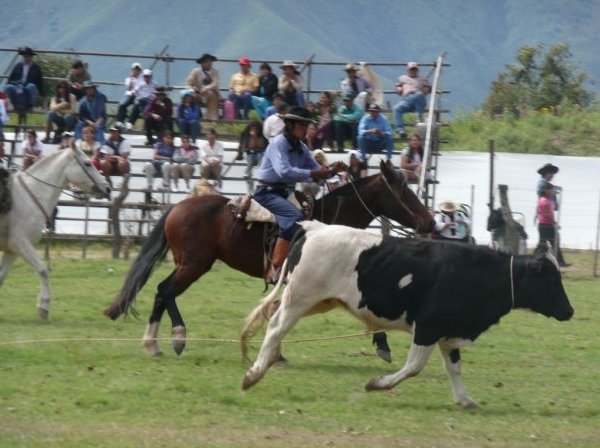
column 536, row 380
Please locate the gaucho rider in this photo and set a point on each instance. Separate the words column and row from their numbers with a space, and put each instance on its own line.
column 287, row 160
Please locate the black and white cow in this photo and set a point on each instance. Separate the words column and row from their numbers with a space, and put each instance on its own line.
column 443, row 293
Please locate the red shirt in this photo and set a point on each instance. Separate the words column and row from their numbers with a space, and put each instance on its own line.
column 545, row 211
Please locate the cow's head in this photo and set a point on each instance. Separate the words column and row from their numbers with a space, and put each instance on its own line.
column 541, row 288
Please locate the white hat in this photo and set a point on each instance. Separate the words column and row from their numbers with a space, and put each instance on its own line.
column 147, row 72
column 136, row 65
column 412, row 65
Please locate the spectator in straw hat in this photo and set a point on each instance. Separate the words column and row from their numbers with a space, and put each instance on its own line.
column 203, row 84
column 242, row 86
column 451, row 224
column 358, row 87
column 290, row 84
column 25, row 82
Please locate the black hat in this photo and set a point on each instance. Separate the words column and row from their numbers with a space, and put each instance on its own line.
column 374, row 107
column 160, row 89
column 26, row 51
column 548, row 168
column 297, row 113
column 205, row 57
column 90, row 83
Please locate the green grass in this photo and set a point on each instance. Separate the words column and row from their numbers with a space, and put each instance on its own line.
column 535, row 379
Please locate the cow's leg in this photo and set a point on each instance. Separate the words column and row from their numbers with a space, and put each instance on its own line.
column 7, row 261
column 415, row 362
column 383, row 349
column 27, row 251
column 451, row 357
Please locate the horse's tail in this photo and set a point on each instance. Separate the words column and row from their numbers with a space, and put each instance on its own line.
column 154, row 250
column 261, row 313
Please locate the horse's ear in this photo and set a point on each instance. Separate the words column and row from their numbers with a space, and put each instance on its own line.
column 386, row 167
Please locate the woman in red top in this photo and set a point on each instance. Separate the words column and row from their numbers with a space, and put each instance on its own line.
column 547, row 223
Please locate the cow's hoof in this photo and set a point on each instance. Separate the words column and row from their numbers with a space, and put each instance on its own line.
column 377, row 384
column 249, row 381
column 385, row 355
column 468, row 403
column 43, row 313
column 179, row 339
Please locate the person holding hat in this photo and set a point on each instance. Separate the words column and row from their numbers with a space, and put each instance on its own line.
column 290, row 84
column 203, row 84
column 358, row 87
column 25, row 82
column 268, row 86
column 132, row 84
column 345, row 122
column 92, row 112
column 451, row 223
column 375, row 133
column 158, row 115
column 413, row 90
column 287, row 160
column 242, row 86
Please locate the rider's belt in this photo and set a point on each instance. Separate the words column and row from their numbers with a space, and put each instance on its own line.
column 277, row 185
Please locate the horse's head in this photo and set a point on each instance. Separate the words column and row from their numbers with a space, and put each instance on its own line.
column 398, row 202
column 85, row 176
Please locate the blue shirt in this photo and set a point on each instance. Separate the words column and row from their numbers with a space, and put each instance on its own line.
column 282, row 164
column 367, row 122
column 164, row 150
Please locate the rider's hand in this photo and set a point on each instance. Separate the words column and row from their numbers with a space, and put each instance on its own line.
column 322, row 173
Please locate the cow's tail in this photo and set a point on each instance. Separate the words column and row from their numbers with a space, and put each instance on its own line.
column 261, row 313
column 154, row 250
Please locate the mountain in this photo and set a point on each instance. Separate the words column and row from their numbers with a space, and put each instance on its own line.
column 479, row 36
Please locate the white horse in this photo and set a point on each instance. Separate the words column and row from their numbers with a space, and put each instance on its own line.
column 35, row 193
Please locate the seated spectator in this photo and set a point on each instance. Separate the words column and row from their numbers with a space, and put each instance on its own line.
column 203, row 83
column 159, row 115
column 211, row 156
column 92, row 112
column 162, row 161
column 63, row 110
column 290, row 84
column 188, row 117
column 411, row 159
column 267, row 87
column 375, row 133
column 358, row 87
column 132, row 84
column 274, row 124
column 67, row 140
column 185, row 158
column 253, row 144
column 114, row 154
column 277, row 101
column 76, row 77
column 144, row 95
column 325, row 111
column 312, row 110
column 451, row 224
column 413, row 89
column 25, row 82
column 311, row 137
column 32, row 149
column 241, row 88
column 90, row 146
column 356, row 168
column 345, row 123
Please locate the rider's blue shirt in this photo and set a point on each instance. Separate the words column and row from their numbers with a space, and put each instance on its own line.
column 284, row 164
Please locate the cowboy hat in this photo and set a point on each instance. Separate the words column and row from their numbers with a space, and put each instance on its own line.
column 206, row 57
column 298, row 114
column 160, row 90
column 26, row 51
column 87, row 84
column 289, row 63
column 548, row 168
column 350, row 67
column 448, row 206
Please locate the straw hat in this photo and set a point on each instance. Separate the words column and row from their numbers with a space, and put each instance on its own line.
column 448, row 206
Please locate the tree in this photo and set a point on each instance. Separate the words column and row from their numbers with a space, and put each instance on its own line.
column 538, row 81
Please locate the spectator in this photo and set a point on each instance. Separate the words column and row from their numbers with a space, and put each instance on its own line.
column 184, row 160
column 114, row 154
column 32, row 149
column 311, row 137
column 451, row 224
column 312, row 110
column 357, row 169
column 345, row 123
column 132, row 84
column 203, row 82
column 144, row 95
column 188, row 116
column 375, row 133
column 277, row 101
column 325, row 112
column 241, row 88
column 357, row 87
column 290, row 84
column 66, row 140
column 92, row 112
column 211, row 156
column 76, row 77
column 252, row 144
column 274, row 124
column 159, row 115
column 25, row 82
column 413, row 89
column 411, row 159
column 63, row 110
column 90, row 146
column 267, row 87
column 161, row 162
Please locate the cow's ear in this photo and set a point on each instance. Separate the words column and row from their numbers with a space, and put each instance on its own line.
column 542, row 248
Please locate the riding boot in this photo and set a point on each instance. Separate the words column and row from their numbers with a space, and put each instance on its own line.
column 280, row 253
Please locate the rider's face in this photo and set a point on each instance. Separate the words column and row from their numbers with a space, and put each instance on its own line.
column 299, row 129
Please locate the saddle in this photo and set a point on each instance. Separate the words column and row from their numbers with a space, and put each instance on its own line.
column 247, row 209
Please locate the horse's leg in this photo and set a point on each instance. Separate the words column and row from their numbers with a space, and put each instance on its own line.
column 7, row 261
column 27, row 251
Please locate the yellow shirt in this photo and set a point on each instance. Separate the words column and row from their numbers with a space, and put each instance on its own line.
column 241, row 83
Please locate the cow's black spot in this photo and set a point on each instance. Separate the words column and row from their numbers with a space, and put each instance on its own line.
column 296, row 252
column 455, row 356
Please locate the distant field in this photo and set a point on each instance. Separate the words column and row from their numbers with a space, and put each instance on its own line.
column 537, row 380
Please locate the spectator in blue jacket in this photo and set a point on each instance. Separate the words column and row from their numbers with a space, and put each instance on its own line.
column 188, row 116
column 375, row 133
column 92, row 112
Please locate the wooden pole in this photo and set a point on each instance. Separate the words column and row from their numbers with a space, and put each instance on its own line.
column 114, row 216
column 491, row 146
column 512, row 233
column 597, row 240
column 86, row 223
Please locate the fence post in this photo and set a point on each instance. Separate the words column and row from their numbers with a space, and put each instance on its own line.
column 84, row 241
column 114, row 216
column 597, row 240
column 512, row 234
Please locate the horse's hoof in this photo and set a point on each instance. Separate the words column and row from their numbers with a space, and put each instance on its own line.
column 152, row 348
column 178, row 346
column 43, row 313
column 179, row 339
column 386, row 355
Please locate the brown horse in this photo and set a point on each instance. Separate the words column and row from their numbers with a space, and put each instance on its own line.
column 201, row 230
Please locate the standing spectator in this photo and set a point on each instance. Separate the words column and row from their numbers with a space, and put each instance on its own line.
column 114, row 154
column 274, row 124
column 76, row 77
column 132, row 84
column 451, row 224
column 241, row 88
column 358, row 87
column 211, row 155
column 32, row 149
column 290, row 84
column 267, row 87
column 63, row 110
column 25, row 82
column 144, row 95
column 277, row 101
column 92, row 112
column 345, row 123
column 413, row 89
column 203, row 82
column 185, row 158
column 188, row 116
column 161, row 162
column 252, row 144
column 325, row 112
column 90, row 146
column 159, row 115
column 375, row 133
column 547, row 173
